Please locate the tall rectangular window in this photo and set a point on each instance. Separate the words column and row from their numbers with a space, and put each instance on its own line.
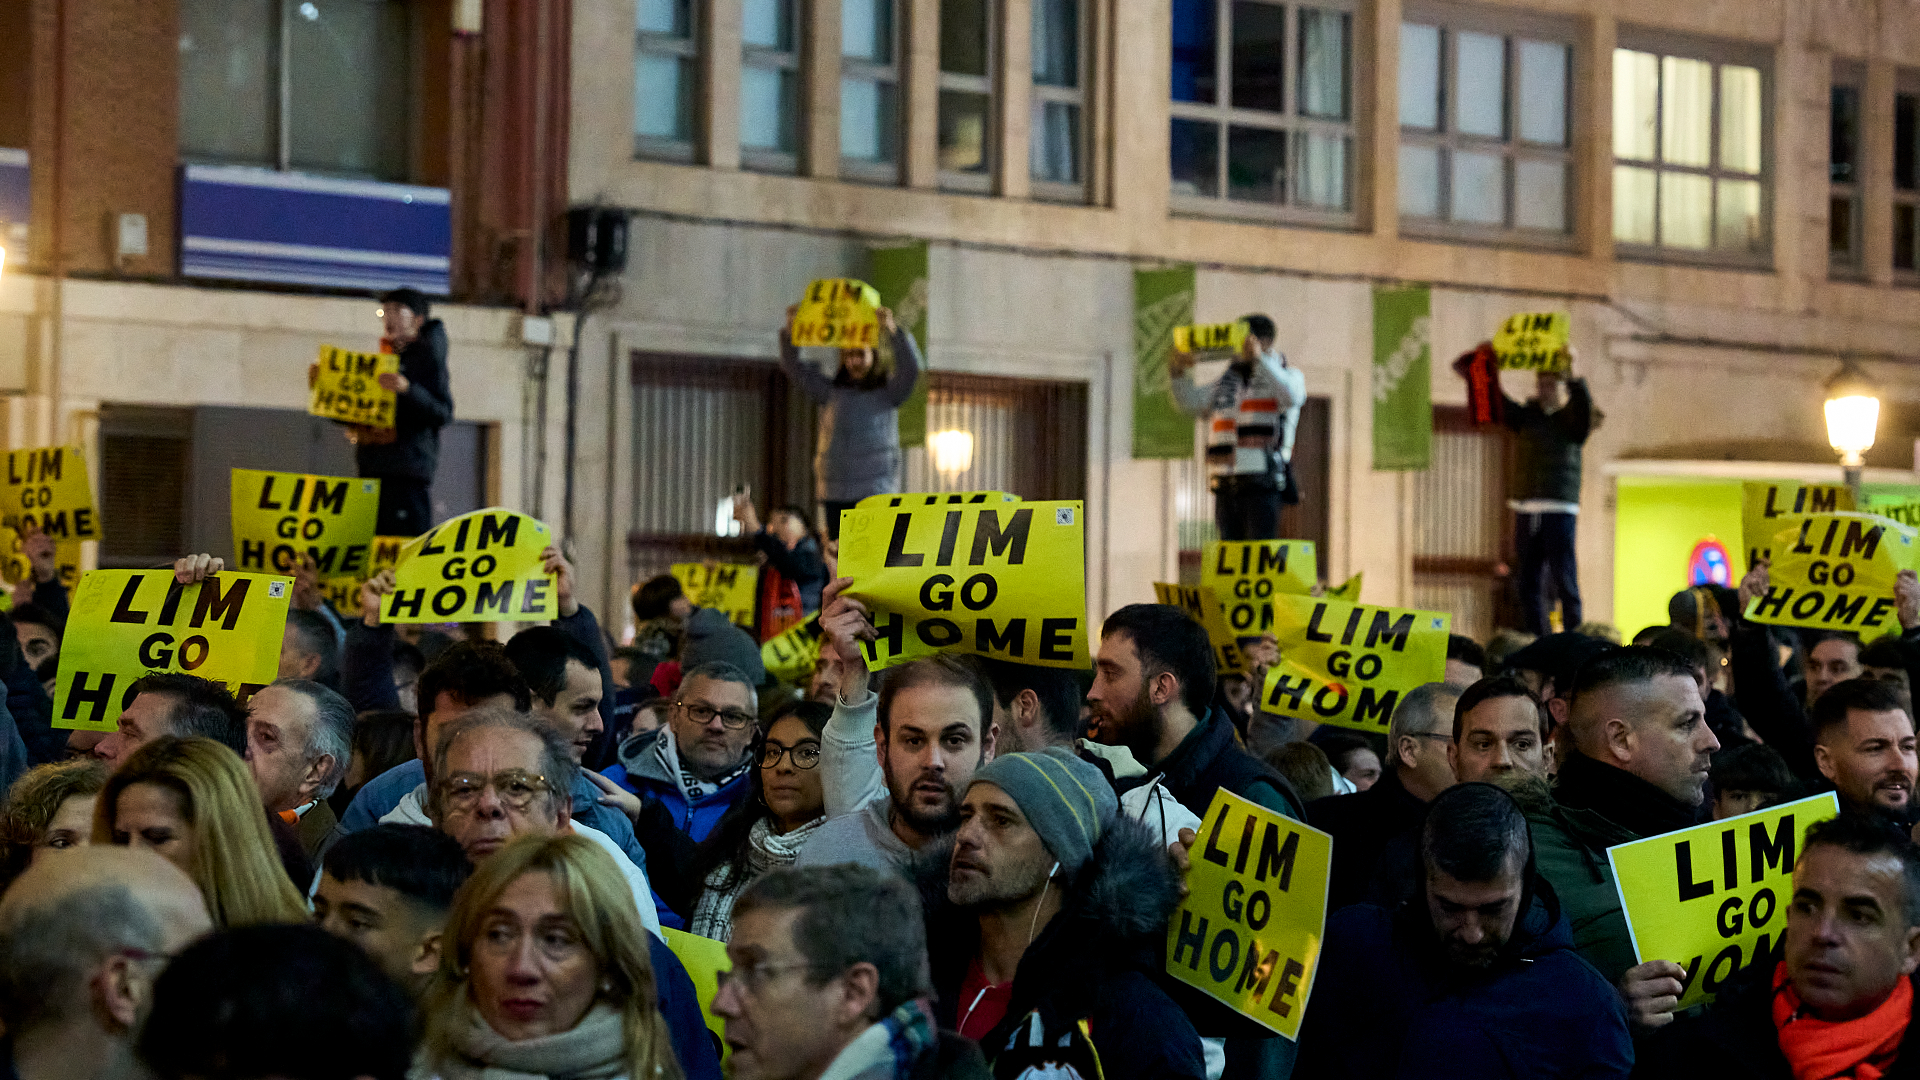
column 869, row 90
column 1690, row 159
column 323, row 86
column 1262, row 104
column 1056, row 143
column 1843, row 167
column 1484, row 146
column 1906, row 173
column 665, row 75
column 966, row 93
column 769, row 84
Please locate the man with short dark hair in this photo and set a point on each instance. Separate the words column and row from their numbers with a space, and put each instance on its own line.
column 1499, row 730
column 1748, row 778
column 172, row 703
column 299, row 744
column 1863, row 743
column 564, row 676
column 829, row 973
column 1466, row 661
column 403, row 458
column 1548, row 665
column 1034, row 707
column 388, row 889
column 1251, row 413
column 309, row 649
column 1476, row 978
column 699, row 764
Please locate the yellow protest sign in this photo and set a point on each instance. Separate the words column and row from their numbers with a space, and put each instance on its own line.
column 348, row 387
column 1906, row 513
column 127, row 623
column 1533, row 342
column 15, row 567
column 935, row 498
column 278, row 517
column 1348, row 590
column 1250, row 929
column 344, row 592
column 1350, row 664
column 727, row 587
column 838, row 312
column 792, row 656
column 1247, row 574
column 483, row 566
column 1204, row 607
column 48, row 487
column 1766, row 508
column 1007, row 581
column 1221, row 339
column 704, row 959
column 1836, row 572
column 1714, row 898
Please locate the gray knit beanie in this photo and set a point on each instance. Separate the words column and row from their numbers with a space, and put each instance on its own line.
column 1067, row 801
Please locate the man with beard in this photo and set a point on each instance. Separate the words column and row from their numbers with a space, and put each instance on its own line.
column 1475, row 978
column 1863, row 743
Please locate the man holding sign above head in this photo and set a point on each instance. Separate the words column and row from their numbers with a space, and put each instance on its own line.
column 1251, row 412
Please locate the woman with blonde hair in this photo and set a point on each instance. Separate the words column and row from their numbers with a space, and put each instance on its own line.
column 49, row 808
column 544, row 971
column 193, row 802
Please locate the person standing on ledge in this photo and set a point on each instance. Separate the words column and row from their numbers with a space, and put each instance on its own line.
column 403, row 457
column 1545, row 496
column 1251, row 413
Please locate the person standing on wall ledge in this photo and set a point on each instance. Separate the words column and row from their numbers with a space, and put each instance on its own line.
column 403, row 457
column 859, row 449
column 1545, row 496
column 1251, row 414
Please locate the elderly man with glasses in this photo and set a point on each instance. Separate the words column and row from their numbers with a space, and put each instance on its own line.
column 698, row 765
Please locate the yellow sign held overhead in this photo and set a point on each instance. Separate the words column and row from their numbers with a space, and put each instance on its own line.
column 1348, row 590
column 1204, row 607
column 935, row 498
column 1533, row 342
column 1210, row 339
column 278, row 517
column 1836, row 572
column 483, row 566
column 1714, row 898
column 1250, row 930
column 727, row 587
column 1350, row 664
column 348, row 387
column 48, row 488
column 1247, row 574
column 792, row 656
column 1006, row 581
column 840, row 313
column 127, row 623
column 1766, row 508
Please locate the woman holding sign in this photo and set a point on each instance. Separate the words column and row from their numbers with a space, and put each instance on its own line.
column 859, row 449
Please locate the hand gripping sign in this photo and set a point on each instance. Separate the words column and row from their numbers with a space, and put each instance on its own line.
column 1836, row 572
column 482, row 566
column 48, row 487
column 839, row 313
column 1006, row 581
column 15, row 567
column 1350, row 664
column 127, row 623
column 731, row 588
column 1714, row 898
column 278, row 517
column 1533, row 342
column 1211, row 339
column 1247, row 574
column 1203, row 607
column 1766, row 508
column 348, row 387
column 1250, row 929
column 791, row 656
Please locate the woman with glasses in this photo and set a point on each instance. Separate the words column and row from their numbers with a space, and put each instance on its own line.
column 545, row 972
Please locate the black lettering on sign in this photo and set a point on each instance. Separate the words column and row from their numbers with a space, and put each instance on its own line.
column 99, row 697
column 897, row 553
column 212, row 602
column 1396, row 634
column 267, row 501
column 1272, row 560
column 1771, row 853
column 123, row 610
column 503, row 531
column 331, row 498
column 1314, row 633
column 1289, row 986
column 500, row 599
column 1010, row 544
column 1683, row 871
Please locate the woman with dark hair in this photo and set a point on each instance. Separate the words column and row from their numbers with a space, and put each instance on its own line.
column 382, row 739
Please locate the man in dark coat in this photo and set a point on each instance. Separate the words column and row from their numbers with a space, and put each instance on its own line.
column 1474, row 977
column 1545, row 494
column 403, row 458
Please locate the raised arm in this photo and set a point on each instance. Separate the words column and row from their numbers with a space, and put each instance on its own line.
column 906, row 360
column 808, row 377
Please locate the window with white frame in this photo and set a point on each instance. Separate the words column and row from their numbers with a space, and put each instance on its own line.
column 1484, row 138
column 769, row 84
column 665, row 77
column 1906, row 174
column 1690, row 156
column 965, row 121
column 1843, row 166
column 1056, row 146
column 869, row 90
column 1262, row 107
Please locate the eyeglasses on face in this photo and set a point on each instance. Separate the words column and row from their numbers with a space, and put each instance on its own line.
column 702, row 713
column 805, row 756
column 753, row 978
column 516, row 788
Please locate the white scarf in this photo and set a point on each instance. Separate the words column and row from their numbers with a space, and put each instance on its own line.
column 594, row 1049
column 766, row 850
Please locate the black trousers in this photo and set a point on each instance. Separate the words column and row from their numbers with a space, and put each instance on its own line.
column 406, row 506
column 1543, row 546
column 1246, row 511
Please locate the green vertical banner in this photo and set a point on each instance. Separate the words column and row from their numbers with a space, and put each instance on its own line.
column 900, row 273
column 1402, row 379
column 1162, row 300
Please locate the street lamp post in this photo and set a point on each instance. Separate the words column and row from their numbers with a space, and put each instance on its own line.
column 1853, row 419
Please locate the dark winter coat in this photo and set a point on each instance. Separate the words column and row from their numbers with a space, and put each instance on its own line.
column 1364, row 826
column 1735, row 1037
column 418, row 414
column 1547, row 453
column 1209, row 759
column 1093, row 962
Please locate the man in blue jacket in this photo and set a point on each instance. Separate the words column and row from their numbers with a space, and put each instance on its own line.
column 700, row 763
column 1474, row 977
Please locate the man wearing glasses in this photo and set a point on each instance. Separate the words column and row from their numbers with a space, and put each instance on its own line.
column 697, row 765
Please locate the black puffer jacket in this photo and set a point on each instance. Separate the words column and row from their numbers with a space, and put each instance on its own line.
column 1547, row 464
column 418, row 414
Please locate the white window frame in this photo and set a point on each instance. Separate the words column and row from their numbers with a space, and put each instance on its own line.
column 891, row 73
column 1848, row 75
column 1044, row 94
column 789, row 60
column 981, row 182
column 1906, row 201
column 687, row 48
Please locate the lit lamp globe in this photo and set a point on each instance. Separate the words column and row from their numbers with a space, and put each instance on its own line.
column 952, row 452
column 1853, row 419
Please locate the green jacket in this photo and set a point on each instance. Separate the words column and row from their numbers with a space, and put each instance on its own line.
column 1570, row 852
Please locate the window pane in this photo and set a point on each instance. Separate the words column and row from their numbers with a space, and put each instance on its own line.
column 1843, row 136
column 1840, row 229
column 663, row 96
column 1479, row 188
column 767, row 24
column 1323, row 63
column 1259, row 46
column 1686, row 210
column 1686, row 111
column 1196, row 157
column 1419, row 181
column 665, row 17
column 1737, row 225
column 1479, row 80
column 866, row 30
column 1543, row 92
column 963, row 37
column 1320, row 177
column 1740, row 119
column 1256, row 164
column 766, row 108
column 1633, row 201
column 866, row 119
column 1195, row 73
column 963, row 131
column 1906, row 142
column 1054, row 149
column 1056, row 42
column 228, row 82
column 1540, row 195
column 1903, row 247
column 1636, row 104
column 1419, row 77
column 349, row 62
